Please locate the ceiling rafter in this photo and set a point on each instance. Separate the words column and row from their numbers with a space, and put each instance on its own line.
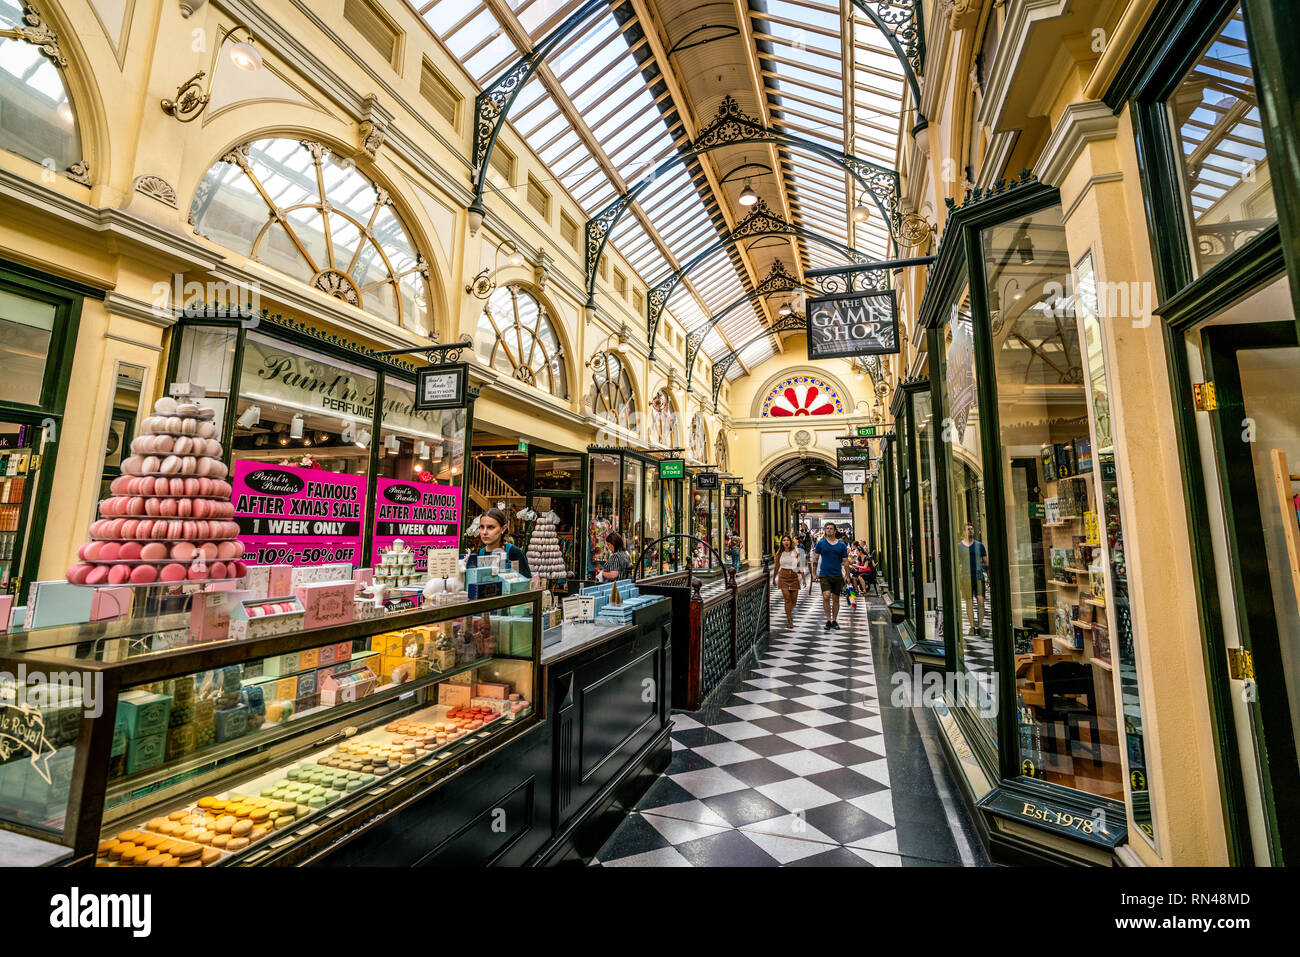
column 546, row 76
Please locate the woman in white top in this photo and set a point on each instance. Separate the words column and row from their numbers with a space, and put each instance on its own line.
column 789, row 566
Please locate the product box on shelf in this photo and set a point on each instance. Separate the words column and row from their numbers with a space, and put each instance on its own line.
column 231, row 722
column 351, row 685
column 145, row 752
column 491, row 689
column 210, row 614
column 143, row 713
column 309, row 658
column 263, row 581
column 454, row 695
column 327, row 603
column 311, row 574
column 278, row 665
column 260, row 617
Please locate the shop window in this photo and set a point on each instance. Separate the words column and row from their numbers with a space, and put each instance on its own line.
column 516, row 336
column 928, row 511
column 1214, row 114
column 37, row 117
column 664, row 431
column 630, row 514
column 1065, row 698
column 27, row 329
column 297, row 208
column 699, row 447
column 1113, row 636
column 968, row 526
column 299, row 408
column 802, row 395
column 206, row 357
column 612, row 397
column 420, row 446
column 604, row 509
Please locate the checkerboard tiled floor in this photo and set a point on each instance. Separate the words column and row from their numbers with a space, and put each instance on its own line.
column 788, row 766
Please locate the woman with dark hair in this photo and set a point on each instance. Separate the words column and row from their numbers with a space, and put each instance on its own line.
column 788, row 577
column 619, row 564
column 494, row 533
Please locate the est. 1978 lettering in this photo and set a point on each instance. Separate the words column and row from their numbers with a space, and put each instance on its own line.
column 1062, row 819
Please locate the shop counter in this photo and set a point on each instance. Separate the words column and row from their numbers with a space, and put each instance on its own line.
column 723, row 624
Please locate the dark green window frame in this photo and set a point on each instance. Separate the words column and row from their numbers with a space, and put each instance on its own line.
column 1170, row 43
column 1013, row 797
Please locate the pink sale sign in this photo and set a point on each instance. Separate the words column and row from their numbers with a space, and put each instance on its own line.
column 296, row 516
column 423, row 515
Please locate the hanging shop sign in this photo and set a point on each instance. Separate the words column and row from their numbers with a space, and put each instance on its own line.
column 442, row 387
column 832, row 506
column 852, row 458
column 672, row 468
column 855, row 489
column 423, row 516
column 734, row 490
column 297, row 516
column 853, row 324
column 706, row 480
column 854, row 476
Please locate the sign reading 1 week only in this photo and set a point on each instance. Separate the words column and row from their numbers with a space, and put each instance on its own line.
column 297, row 516
column 423, row 515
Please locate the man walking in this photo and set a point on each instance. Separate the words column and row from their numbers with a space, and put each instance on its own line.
column 972, row 567
column 833, row 556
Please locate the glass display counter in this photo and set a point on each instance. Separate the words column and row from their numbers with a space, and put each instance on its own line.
column 134, row 746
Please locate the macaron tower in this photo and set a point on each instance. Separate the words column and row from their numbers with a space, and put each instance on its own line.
column 170, row 517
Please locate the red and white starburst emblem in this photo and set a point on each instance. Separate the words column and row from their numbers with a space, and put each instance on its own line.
column 802, row 395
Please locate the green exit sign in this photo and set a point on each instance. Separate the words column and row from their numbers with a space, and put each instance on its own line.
column 672, row 468
column 523, row 446
column 866, row 431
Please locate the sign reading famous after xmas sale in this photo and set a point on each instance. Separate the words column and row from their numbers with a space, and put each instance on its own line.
column 853, row 324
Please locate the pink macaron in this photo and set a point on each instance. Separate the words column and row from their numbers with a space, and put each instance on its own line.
column 217, row 570
column 173, row 573
column 168, row 507
column 144, row 575
column 198, row 572
column 97, row 575
column 119, row 574
column 153, row 552
column 208, row 550
column 183, row 551
column 130, row 551
column 131, row 528
column 110, row 553
column 77, row 574
column 175, row 486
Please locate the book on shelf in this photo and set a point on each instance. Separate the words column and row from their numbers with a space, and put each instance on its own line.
column 1065, row 466
column 1049, row 463
column 1052, row 511
column 1083, row 453
column 1101, row 640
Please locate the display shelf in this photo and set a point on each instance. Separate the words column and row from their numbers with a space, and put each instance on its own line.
column 1100, row 663
column 1093, row 601
column 1053, row 581
column 1081, row 624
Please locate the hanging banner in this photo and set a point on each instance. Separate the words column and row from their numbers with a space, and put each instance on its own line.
column 296, row 516
column 853, row 324
column 423, row 515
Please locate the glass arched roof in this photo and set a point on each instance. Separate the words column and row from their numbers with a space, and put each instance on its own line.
column 618, row 97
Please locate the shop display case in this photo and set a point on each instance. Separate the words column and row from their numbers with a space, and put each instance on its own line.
column 264, row 750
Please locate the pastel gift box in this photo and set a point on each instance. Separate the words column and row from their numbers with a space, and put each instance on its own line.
column 119, row 741
column 210, row 615
column 143, row 713
column 145, row 752
column 496, row 704
column 180, row 741
column 251, row 619
column 286, row 689
column 263, row 581
column 231, row 722
column 280, row 665
column 306, row 685
column 484, row 590
column 326, row 655
column 309, row 574
column 454, row 695
column 351, row 685
column 343, row 651
column 308, row 658
column 327, row 603
column 204, row 711
column 491, row 689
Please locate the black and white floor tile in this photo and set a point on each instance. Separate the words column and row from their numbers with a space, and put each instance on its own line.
column 791, row 765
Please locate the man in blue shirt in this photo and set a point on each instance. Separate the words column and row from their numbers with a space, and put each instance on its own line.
column 833, row 558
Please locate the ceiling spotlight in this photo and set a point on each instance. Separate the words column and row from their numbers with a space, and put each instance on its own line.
column 418, row 468
column 394, row 444
column 295, row 429
column 747, row 195
column 284, row 439
column 861, row 213
column 785, row 309
column 363, row 439
column 246, row 56
column 250, row 416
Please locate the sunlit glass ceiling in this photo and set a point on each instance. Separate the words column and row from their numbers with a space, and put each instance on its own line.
column 600, row 116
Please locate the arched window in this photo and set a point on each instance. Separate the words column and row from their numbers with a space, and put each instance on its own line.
column 37, row 120
column 516, row 337
column 612, row 396
column 663, row 421
column 802, row 395
column 721, row 458
column 699, row 438
column 295, row 207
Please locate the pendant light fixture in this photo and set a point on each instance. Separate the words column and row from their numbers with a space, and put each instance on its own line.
column 747, row 195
